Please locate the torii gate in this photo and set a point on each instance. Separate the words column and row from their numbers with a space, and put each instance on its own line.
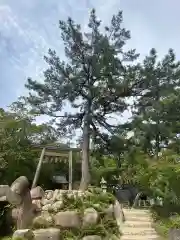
column 55, row 154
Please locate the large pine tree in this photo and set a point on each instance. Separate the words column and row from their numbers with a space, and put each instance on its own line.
column 95, row 79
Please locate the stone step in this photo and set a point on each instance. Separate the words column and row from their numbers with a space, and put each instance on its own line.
column 138, row 231
column 139, row 237
column 136, row 212
column 137, row 218
column 138, row 224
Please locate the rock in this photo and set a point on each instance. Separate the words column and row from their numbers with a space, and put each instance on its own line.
column 96, row 205
column 3, row 199
column 37, row 193
column 43, row 221
column 14, row 213
column 80, row 194
column 70, row 195
column 23, row 214
column 20, row 185
column 47, row 234
column 56, row 192
column 47, row 207
column 49, row 194
column 35, row 209
column 57, row 206
column 92, row 237
column 110, row 211
column 118, row 213
column 59, row 197
column 67, row 219
column 22, row 218
column 47, row 201
column 9, row 195
column 62, row 191
column 90, row 217
column 37, row 202
column 23, row 234
column 19, row 196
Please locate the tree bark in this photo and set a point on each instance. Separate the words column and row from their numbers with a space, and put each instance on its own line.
column 85, row 173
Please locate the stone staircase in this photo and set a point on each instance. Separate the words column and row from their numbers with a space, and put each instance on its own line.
column 138, row 225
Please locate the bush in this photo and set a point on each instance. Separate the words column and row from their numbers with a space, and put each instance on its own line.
column 95, row 198
column 164, row 220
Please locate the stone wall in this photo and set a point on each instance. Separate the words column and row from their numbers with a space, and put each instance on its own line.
column 42, row 215
column 52, row 217
column 52, row 201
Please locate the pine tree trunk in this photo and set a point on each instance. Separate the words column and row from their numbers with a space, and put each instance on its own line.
column 85, row 174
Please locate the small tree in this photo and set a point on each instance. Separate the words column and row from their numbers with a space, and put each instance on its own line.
column 94, row 80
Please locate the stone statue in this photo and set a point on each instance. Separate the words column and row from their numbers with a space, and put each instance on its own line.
column 18, row 195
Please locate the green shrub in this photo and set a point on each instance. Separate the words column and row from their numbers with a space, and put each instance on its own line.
column 98, row 201
column 163, row 221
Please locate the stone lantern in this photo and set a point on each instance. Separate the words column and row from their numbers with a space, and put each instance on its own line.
column 103, row 184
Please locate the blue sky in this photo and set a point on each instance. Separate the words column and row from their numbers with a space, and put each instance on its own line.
column 29, row 27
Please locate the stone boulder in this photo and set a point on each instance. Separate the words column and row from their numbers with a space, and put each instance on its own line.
column 92, row 237
column 118, row 213
column 37, row 193
column 47, row 208
column 59, row 196
column 48, row 194
column 67, row 219
column 110, row 211
column 47, row 234
column 43, row 221
column 90, row 217
column 55, row 194
column 20, row 185
column 57, row 206
column 23, row 234
column 37, row 205
column 47, row 201
column 23, row 213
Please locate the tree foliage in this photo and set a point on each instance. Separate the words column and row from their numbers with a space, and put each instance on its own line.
column 17, row 135
column 155, row 119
